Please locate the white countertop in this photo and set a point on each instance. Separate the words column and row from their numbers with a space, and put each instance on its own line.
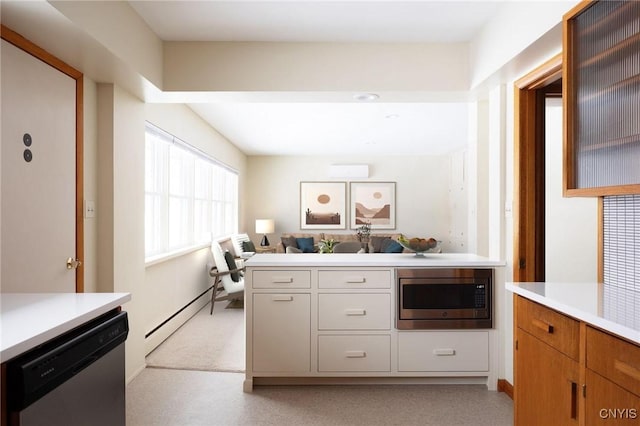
column 402, row 260
column 30, row 319
column 613, row 309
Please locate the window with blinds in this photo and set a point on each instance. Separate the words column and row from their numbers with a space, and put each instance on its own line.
column 621, row 228
column 189, row 196
column 604, row 67
column 621, row 292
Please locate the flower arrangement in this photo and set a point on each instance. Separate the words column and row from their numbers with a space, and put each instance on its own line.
column 363, row 232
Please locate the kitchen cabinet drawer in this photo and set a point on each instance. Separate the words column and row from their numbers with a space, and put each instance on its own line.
column 615, row 359
column 354, row 311
column 608, row 403
column 443, row 351
column 349, row 353
column 354, row 278
column 555, row 329
column 281, row 279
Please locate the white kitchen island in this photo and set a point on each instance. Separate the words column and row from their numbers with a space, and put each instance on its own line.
column 330, row 319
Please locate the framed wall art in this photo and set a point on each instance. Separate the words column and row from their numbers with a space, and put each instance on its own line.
column 373, row 203
column 323, row 205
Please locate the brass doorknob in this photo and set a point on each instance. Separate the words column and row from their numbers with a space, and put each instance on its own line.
column 73, row 263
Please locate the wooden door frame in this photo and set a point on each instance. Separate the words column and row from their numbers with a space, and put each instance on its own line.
column 22, row 43
column 528, row 198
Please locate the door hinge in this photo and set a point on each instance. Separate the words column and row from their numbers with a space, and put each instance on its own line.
column 584, row 391
column 516, row 345
column 523, row 263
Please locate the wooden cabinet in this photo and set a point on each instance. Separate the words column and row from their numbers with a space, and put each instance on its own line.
column 559, row 380
column 612, row 379
column 601, row 83
column 546, row 366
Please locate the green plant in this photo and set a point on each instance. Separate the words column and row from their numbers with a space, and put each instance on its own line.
column 326, row 246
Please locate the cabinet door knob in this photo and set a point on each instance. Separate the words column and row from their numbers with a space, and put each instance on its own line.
column 356, row 354
column 355, row 312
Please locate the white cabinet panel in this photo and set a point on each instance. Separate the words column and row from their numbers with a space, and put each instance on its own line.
column 443, row 351
column 352, row 278
column 354, row 311
column 354, row 353
column 281, row 279
column 281, row 332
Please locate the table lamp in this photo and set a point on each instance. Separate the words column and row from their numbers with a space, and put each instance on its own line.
column 264, row 227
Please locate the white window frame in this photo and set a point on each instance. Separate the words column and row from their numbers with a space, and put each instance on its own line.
column 171, row 197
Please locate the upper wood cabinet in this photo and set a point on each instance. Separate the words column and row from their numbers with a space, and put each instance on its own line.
column 601, row 89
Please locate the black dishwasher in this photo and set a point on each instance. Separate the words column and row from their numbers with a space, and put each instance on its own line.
column 76, row 378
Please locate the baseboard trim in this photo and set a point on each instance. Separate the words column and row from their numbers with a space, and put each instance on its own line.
column 506, row 387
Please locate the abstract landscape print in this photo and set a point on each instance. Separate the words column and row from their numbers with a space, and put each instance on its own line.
column 373, row 203
column 323, row 205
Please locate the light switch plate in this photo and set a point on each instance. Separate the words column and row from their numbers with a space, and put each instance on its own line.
column 89, row 208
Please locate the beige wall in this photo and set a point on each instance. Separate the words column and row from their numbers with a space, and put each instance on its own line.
column 274, row 67
column 422, row 191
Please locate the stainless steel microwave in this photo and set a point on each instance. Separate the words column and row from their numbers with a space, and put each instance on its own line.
column 446, row 298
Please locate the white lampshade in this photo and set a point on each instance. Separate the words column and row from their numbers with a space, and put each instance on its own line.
column 264, row 226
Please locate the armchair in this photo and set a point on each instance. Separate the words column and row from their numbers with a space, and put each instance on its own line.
column 222, row 273
column 242, row 245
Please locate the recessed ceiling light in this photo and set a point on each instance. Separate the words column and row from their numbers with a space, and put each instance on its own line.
column 392, row 116
column 364, row 97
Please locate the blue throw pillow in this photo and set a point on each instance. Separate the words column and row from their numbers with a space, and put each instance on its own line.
column 391, row 246
column 305, row 244
column 231, row 263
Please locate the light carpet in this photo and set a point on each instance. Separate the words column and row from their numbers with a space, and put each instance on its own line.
column 205, row 342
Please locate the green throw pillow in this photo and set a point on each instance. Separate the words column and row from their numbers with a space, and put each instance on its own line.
column 231, row 263
column 248, row 246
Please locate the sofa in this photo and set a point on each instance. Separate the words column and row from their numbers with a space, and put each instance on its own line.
column 292, row 239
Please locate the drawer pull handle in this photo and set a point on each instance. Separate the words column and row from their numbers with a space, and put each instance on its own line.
column 547, row 328
column 356, row 354
column 627, row 369
column 574, row 400
column 282, row 280
column 282, row 298
column 355, row 312
column 356, row 280
column 444, row 352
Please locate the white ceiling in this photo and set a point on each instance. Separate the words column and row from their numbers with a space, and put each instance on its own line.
column 307, row 128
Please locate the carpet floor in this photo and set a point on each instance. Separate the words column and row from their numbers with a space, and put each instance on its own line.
column 205, row 342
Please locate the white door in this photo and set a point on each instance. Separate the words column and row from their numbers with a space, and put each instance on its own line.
column 38, row 175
